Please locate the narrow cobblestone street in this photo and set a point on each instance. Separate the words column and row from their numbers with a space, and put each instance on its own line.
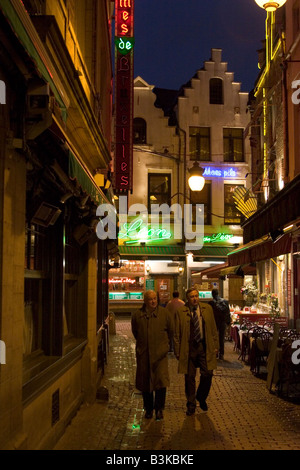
column 242, row 414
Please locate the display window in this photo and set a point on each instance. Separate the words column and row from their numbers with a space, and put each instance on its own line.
column 128, row 281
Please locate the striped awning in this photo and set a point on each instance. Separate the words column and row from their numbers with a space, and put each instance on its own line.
column 213, row 251
column 173, row 251
column 155, row 251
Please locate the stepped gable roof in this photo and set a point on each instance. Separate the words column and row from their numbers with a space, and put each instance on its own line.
column 167, row 100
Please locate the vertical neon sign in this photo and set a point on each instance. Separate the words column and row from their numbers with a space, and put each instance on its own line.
column 124, row 20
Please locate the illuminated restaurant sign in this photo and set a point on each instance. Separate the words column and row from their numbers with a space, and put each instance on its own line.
column 137, row 232
column 122, row 280
column 220, row 172
column 217, row 237
column 124, row 42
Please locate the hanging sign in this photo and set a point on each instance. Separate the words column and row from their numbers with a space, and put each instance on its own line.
column 124, row 42
column 220, row 172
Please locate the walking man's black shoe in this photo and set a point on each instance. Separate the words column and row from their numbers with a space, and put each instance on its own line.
column 159, row 415
column 190, row 411
column 203, row 406
column 148, row 414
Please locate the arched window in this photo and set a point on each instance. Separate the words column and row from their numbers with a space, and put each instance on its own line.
column 216, row 91
column 139, row 131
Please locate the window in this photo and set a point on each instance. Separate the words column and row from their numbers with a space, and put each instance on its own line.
column 233, row 145
column 216, row 91
column 55, row 296
column 202, row 197
column 139, row 131
column 36, row 288
column 200, row 143
column 159, row 188
column 231, row 214
column 75, row 289
column 102, row 281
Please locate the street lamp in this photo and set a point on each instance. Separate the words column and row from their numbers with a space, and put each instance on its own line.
column 196, row 179
column 270, row 6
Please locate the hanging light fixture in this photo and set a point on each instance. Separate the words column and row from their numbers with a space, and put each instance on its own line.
column 270, row 6
column 196, row 179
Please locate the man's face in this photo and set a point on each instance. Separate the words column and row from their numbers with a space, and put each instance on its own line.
column 151, row 301
column 193, row 298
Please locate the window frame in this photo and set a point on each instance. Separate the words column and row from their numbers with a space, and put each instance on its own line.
column 169, row 177
column 140, row 125
column 202, row 150
column 232, row 140
column 216, row 91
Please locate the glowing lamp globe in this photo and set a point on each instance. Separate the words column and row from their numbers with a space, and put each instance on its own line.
column 270, row 6
column 196, row 179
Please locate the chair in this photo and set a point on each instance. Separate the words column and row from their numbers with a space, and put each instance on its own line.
column 260, row 349
column 283, row 334
column 236, row 337
column 268, row 324
column 289, row 372
column 293, row 335
column 245, row 344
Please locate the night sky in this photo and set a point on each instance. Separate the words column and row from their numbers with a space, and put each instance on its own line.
column 173, row 38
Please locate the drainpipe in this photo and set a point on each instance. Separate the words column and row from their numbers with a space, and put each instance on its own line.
column 184, row 190
column 286, row 125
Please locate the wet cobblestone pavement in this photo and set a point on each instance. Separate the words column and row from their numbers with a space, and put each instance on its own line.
column 242, row 414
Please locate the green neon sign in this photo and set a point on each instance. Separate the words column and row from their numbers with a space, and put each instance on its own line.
column 217, row 237
column 124, row 45
column 135, row 231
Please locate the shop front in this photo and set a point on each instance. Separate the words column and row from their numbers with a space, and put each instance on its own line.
column 275, row 290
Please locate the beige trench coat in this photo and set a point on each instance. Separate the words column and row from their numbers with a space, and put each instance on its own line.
column 182, row 337
column 152, row 333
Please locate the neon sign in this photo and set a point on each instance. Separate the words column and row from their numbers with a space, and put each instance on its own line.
column 135, row 231
column 220, row 172
column 122, row 280
column 217, row 237
column 124, row 43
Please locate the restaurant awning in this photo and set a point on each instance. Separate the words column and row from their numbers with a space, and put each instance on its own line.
column 152, row 251
column 224, row 270
column 240, row 270
column 213, row 272
column 282, row 210
column 213, row 251
column 260, row 250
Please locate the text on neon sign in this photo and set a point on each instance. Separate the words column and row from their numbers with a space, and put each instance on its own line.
column 135, row 231
column 220, row 173
column 123, row 280
column 217, row 237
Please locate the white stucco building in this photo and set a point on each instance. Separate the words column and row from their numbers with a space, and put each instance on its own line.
column 204, row 121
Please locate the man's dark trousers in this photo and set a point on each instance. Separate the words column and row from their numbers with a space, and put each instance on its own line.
column 197, row 358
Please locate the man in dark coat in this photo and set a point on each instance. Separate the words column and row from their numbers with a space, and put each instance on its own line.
column 152, row 327
column 222, row 318
column 195, row 345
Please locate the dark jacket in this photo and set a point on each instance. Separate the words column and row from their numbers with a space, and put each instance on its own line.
column 220, row 317
column 182, row 337
column 153, row 333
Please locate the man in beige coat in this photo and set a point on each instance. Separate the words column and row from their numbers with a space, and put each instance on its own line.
column 152, row 327
column 195, row 345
